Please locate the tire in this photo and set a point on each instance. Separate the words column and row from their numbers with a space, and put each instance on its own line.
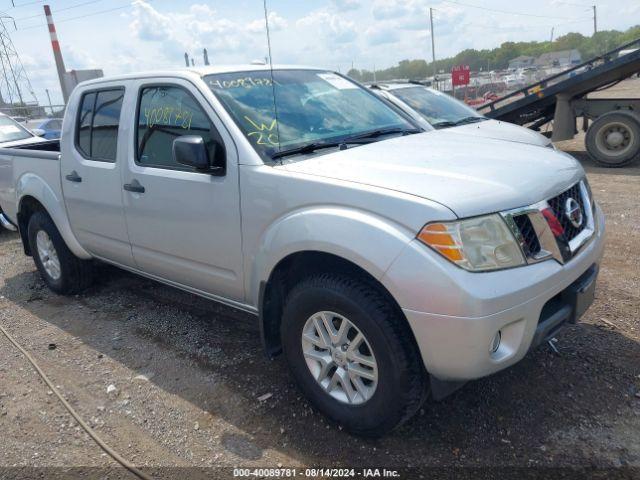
column 400, row 387
column 604, row 135
column 72, row 274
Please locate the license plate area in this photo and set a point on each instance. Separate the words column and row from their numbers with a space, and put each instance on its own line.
column 581, row 293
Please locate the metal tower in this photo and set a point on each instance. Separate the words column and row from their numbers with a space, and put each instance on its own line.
column 15, row 87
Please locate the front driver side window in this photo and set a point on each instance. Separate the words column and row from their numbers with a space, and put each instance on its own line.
column 166, row 113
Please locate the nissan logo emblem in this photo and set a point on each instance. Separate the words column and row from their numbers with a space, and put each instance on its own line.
column 573, row 212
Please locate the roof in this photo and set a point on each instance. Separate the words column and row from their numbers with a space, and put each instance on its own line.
column 551, row 56
column 521, row 58
column 199, row 72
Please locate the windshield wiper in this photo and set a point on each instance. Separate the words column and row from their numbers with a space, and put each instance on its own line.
column 380, row 133
column 307, row 148
column 444, row 124
column 342, row 144
column 465, row 120
column 462, row 121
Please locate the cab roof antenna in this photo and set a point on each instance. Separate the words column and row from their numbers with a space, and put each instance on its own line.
column 273, row 83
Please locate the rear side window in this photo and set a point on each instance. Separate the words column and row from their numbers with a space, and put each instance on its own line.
column 98, row 123
column 166, row 113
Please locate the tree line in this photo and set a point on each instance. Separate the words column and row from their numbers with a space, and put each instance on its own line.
column 498, row 58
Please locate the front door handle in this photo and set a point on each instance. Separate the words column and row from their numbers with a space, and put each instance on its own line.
column 74, row 177
column 134, row 187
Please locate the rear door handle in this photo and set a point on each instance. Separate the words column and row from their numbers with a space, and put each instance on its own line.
column 74, row 177
column 134, row 187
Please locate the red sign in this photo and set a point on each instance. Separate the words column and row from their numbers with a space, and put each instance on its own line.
column 460, row 75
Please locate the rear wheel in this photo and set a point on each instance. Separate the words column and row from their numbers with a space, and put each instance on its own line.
column 352, row 353
column 613, row 139
column 61, row 270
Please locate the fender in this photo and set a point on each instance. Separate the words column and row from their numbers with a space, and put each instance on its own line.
column 368, row 240
column 31, row 185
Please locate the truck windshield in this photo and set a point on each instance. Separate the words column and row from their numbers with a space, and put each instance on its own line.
column 312, row 110
column 439, row 109
column 10, row 130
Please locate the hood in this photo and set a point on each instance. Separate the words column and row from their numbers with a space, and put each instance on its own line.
column 470, row 175
column 503, row 131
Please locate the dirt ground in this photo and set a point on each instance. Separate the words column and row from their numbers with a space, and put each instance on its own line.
column 189, row 373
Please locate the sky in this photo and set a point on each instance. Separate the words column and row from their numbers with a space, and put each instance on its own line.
column 121, row 36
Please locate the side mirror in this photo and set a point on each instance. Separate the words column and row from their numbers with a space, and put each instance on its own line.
column 38, row 132
column 190, row 150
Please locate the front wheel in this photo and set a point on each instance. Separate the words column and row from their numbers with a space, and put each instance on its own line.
column 61, row 270
column 352, row 353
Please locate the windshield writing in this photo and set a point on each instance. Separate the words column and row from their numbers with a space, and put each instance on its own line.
column 309, row 106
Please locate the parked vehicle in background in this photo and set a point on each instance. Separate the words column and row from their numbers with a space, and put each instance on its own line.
column 48, row 128
column 13, row 133
column 440, row 110
column 380, row 259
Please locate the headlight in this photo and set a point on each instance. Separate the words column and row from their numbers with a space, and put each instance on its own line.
column 476, row 244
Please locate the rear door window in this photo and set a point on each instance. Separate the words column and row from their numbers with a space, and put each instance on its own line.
column 98, row 123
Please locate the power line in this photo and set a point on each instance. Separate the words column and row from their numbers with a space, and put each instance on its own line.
column 13, row 5
column 506, row 12
column 80, row 16
column 59, row 10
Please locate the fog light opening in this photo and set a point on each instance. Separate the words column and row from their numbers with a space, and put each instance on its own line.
column 495, row 343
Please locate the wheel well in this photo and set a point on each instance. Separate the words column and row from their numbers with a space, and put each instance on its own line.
column 28, row 206
column 289, row 272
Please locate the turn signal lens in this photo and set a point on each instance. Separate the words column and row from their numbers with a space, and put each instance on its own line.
column 438, row 237
column 476, row 244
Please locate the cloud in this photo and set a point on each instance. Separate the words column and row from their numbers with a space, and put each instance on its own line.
column 390, row 9
column 346, row 5
column 333, row 28
column 148, row 24
column 382, row 35
column 199, row 27
column 276, row 24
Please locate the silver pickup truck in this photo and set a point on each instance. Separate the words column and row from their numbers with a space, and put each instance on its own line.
column 384, row 262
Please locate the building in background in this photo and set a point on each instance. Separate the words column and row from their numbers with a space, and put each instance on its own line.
column 564, row 58
column 523, row 61
column 73, row 77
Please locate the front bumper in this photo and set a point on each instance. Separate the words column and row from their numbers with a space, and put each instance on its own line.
column 466, row 310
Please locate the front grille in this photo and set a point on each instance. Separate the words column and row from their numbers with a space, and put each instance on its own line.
column 558, row 203
column 530, row 243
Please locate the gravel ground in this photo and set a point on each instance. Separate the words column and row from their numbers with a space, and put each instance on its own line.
column 191, row 380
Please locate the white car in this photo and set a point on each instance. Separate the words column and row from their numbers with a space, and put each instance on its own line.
column 438, row 110
column 12, row 134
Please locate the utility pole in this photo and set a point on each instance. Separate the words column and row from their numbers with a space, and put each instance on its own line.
column 433, row 44
column 205, row 54
column 595, row 20
column 552, row 30
column 186, row 59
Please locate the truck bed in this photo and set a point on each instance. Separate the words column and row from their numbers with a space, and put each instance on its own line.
column 20, row 163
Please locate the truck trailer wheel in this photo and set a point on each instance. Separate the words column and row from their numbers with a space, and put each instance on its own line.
column 61, row 270
column 613, row 139
column 352, row 353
